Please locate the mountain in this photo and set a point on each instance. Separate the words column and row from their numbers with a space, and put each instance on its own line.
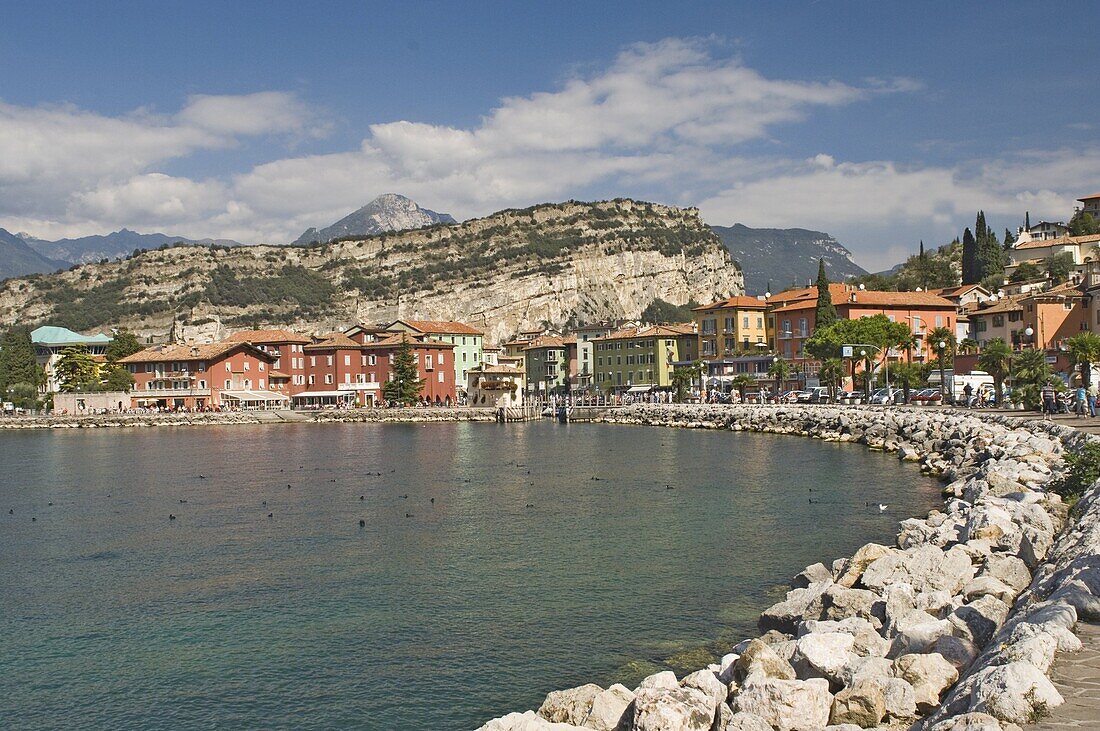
column 550, row 264
column 387, row 212
column 17, row 258
column 110, row 246
column 779, row 257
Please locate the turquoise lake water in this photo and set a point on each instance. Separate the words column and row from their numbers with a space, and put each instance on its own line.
column 525, row 575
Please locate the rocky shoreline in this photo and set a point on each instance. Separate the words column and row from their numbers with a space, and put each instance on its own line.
column 106, row 421
column 954, row 628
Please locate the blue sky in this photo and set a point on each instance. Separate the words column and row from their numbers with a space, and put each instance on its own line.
column 882, row 123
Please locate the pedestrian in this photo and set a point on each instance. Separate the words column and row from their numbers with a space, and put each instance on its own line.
column 1080, row 401
column 1047, row 396
column 968, row 391
column 1092, row 400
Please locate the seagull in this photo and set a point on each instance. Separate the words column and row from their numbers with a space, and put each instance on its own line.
column 361, row 497
column 882, row 508
column 404, row 497
column 271, row 515
column 362, row 522
column 432, row 501
column 182, row 502
column 669, row 487
column 171, row 517
column 202, row 477
column 408, row 515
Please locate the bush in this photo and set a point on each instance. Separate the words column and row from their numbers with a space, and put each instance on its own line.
column 1082, row 471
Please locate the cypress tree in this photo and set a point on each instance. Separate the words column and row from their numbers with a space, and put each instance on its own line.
column 17, row 361
column 970, row 274
column 1009, row 240
column 1027, row 220
column 922, row 248
column 826, row 312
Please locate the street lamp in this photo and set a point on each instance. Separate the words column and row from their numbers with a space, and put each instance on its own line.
column 940, row 346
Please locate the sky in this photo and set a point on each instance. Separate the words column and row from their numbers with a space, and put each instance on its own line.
column 881, row 123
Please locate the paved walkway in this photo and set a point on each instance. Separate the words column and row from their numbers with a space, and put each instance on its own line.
column 1078, row 679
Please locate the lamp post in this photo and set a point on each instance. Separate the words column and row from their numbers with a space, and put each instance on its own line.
column 775, row 360
column 941, row 346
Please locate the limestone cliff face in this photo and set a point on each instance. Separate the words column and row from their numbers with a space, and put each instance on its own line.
column 547, row 265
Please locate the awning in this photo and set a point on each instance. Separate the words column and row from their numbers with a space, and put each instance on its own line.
column 254, row 396
column 639, row 389
column 322, row 394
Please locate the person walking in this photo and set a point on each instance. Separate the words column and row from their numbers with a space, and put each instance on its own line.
column 1080, row 401
column 968, row 391
column 1047, row 396
column 1092, row 400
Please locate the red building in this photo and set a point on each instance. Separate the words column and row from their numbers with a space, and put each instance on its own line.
column 343, row 369
column 288, row 374
column 198, row 377
column 793, row 314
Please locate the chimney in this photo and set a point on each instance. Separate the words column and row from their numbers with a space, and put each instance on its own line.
column 194, row 352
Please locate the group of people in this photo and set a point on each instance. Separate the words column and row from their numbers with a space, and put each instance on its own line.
column 1080, row 401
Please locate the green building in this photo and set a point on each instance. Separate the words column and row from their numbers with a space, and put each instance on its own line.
column 643, row 358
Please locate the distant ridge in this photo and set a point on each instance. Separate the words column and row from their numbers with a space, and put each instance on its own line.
column 17, row 258
column 387, row 212
column 779, row 257
column 110, row 246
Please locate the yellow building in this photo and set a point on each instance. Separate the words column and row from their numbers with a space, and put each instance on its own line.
column 641, row 358
column 734, row 326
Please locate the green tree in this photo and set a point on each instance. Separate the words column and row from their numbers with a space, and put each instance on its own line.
column 832, row 374
column 906, row 375
column 1083, row 224
column 741, row 382
column 990, row 254
column 76, row 369
column 1059, row 266
column 1084, row 350
column 943, row 335
column 971, row 269
column 683, row 377
column 780, row 370
column 1026, row 272
column 405, row 385
column 826, row 312
column 118, row 379
column 1030, row 371
column 124, row 343
column 996, row 360
column 660, row 312
column 877, row 330
column 18, row 364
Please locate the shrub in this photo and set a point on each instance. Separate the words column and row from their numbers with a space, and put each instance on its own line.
column 1082, row 471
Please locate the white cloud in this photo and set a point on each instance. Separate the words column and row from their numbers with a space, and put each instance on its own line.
column 667, row 120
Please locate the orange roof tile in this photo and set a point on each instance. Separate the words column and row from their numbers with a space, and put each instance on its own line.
column 331, row 341
column 745, row 303
column 184, row 352
column 441, row 327
column 1060, row 241
column 267, row 336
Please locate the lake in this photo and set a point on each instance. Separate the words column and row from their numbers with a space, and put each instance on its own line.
column 552, row 555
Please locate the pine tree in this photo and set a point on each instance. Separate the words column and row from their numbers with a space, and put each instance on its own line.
column 17, row 361
column 826, row 312
column 970, row 271
column 405, row 385
column 76, row 369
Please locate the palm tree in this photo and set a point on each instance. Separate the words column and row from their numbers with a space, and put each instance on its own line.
column 996, row 360
column 832, row 374
column 1084, row 350
column 906, row 374
column 968, row 346
column 780, row 370
column 943, row 335
column 742, row 381
column 1030, row 372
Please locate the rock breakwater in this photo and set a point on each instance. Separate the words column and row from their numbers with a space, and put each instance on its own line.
column 106, row 421
column 953, row 628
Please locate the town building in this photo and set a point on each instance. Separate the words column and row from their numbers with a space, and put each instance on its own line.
column 548, row 361
column 1046, row 230
column 198, row 377
column 467, row 341
column 794, row 314
column 999, row 317
column 288, row 372
column 1091, row 205
column 1054, row 315
column 732, row 327
column 585, row 334
column 639, row 359
column 963, row 295
column 49, row 342
column 1082, row 250
column 494, row 385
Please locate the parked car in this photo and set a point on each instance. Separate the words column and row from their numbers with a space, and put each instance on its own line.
column 920, row 398
column 884, row 396
column 817, row 395
column 790, row 397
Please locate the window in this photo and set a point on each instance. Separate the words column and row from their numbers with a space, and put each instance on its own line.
column 228, row 383
column 803, row 326
column 441, row 358
column 312, row 379
column 786, row 329
column 148, row 367
column 262, row 365
column 347, row 378
column 363, row 360
column 328, row 360
column 261, row 383
column 228, row 368
column 372, row 360
column 760, row 323
column 276, row 364
column 998, row 321
column 441, row 376
column 428, row 362
column 328, row 378
column 939, row 320
column 202, row 384
column 347, row 360
column 729, row 324
column 247, row 383
column 745, row 321
column 312, row 360
column 246, row 365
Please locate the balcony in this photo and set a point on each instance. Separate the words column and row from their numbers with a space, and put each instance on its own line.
column 169, row 392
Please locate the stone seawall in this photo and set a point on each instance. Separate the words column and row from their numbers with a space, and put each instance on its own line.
column 248, row 417
column 954, row 628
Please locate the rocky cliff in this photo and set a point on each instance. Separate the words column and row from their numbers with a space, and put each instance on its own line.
column 387, row 212
column 549, row 264
column 776, row 258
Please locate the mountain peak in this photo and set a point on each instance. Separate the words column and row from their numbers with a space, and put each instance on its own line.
column 387, row 212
